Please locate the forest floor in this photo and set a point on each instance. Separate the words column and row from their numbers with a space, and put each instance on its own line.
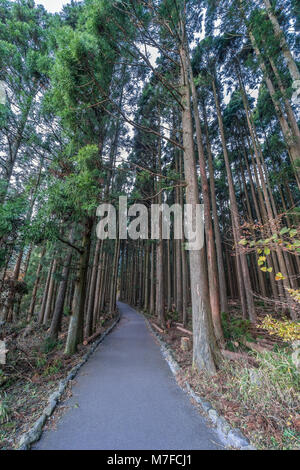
column 33, row 371
column 260, row 397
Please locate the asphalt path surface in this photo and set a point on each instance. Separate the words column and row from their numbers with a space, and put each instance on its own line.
column 126, row 398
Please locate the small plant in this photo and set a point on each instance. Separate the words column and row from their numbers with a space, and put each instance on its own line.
column 67, row 312
column 234, row 329
column 53, row 369
column 4, row 411
column 48, row 345
column 59, row 345
column 41, row 362
column 174, row 315
column 291, row 439
column 22, row 324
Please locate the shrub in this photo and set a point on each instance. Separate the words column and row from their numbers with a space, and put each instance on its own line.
column 48, row 345
column 234, row 329
column 271, row 393
column 53, row 369
column 286, row 329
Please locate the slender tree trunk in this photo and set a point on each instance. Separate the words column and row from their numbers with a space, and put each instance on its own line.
column 160, row 301
column 27, row 261
column 103, row 283
column 16, row 144
column 270, row 210
column 178, row 255
column 219, row 250
column 291, row 144
column 61, row 295
column 184, row 268
column 169, row 278
column 244, row 280
column 211, row 250
column 75, row 333
column 45, row 295
column 112, row 300
column 205, row 349
column 92, row 292
column 152, row 278
column 50, row 294
column 292, row 66
column 98, row 288
column 146, row 274
column 36, row 285
column 261, row 277
column 288, row 108
column 8, row 311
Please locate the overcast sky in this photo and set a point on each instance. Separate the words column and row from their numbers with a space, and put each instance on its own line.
column 52, row 5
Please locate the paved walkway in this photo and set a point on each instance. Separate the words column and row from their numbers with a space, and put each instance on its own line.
column 126, row 398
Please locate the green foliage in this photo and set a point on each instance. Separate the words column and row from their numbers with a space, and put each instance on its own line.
column 12, row 214
column 235, row 329
column 67, row 311
column 53, row 369
column 49, row 345
column 41, row 362
column 280, row 373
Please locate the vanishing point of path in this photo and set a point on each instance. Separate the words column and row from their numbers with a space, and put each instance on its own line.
column 126, row 398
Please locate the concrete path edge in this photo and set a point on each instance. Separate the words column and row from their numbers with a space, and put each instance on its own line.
column 231, row 437
column 35, row 432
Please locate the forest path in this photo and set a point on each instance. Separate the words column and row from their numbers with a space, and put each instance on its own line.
column 126, row 398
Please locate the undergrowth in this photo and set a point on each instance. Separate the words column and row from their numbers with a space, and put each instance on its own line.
column 271, row 393
column 263, row 402
column 234, row 329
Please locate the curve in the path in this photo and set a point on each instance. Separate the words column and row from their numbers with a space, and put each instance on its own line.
column 126, row 398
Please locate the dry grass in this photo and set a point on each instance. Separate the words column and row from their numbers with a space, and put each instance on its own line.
column 263, row 402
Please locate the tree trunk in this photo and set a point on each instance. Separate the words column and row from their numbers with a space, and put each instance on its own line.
column 210, row 242
column 75, row 333
column 160, row 301
column 294, row 152
column 178, row 254
column 152, row 279
column 206, row 354
column 91, row 299
column 50, row 294
column 292, row 66
column 288, row 108
column 45, row 295
column 244, row 280
column 61, row 295
column 112, row 300
column 219, row 250
column 36, row 286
